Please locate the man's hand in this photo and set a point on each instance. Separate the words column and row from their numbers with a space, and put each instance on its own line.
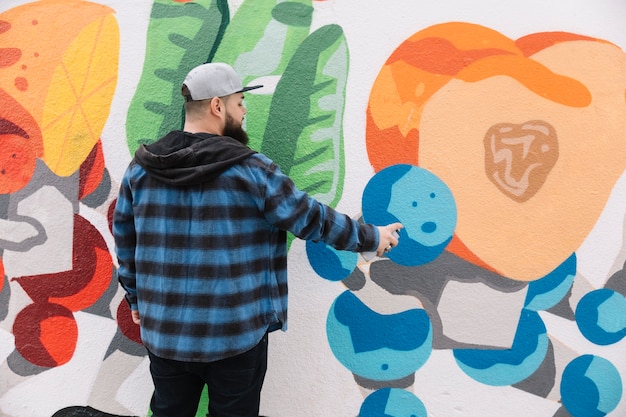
column 387, row 238
column 135, row 315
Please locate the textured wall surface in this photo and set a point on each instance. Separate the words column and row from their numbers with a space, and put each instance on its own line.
column 494, row 131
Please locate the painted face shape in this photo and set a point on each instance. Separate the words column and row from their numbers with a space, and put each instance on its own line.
column 421, row 202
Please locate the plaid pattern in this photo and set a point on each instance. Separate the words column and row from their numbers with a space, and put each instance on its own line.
column 206, row 264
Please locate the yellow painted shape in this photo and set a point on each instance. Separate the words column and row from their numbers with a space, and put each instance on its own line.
column 42, row 31
column 79, row 97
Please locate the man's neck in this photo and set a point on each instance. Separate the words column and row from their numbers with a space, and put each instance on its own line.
column 201, row 127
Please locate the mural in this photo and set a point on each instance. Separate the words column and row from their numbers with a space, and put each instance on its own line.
column 503, row 157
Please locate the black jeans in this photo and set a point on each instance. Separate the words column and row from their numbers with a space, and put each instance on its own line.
column 234, row 384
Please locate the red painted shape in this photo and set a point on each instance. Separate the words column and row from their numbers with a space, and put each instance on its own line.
column 1, row 275
column 45, row 334
column 9, row 56
column 20, row 144
column 110, row 214
column 126, row 323
column 4, row 26
column 91, row 171
column 439, row 55
column 535, row 42
column 81, row 286
column 17, row 162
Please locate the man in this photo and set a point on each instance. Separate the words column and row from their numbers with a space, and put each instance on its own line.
column 199, row 228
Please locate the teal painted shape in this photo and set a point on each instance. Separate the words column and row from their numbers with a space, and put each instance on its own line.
column 546, row 292
column 392, row 402
column 421, row 202
column 330, row 263
column 601, row 316
column 590, row 387
column 376, row 346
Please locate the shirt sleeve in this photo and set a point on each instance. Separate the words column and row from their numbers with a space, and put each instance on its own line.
column 125, row 240
column 291, row 209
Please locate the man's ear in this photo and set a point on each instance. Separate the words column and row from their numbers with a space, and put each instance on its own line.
column 216, row 106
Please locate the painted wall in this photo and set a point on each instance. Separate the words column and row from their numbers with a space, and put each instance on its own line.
column 493, row 130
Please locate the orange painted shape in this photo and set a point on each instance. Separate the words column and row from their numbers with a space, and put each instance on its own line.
column 59, row 336
column 525, row 241
column 445, row 86
column 387, row 147
column 415, row 71
column 533, row 75
column 458, row 248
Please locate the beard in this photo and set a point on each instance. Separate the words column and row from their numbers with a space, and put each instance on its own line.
column 235, row 130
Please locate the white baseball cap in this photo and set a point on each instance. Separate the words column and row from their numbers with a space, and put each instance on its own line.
column 215, row 79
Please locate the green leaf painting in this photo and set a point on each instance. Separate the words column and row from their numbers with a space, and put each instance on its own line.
column 259, row 42
column 304, row 133
column 296, row 119
column 180, row 36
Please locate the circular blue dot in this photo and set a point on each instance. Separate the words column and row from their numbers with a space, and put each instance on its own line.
column 330, row 263
column 429, row 227
column 590, row 386
column 385, row 367
column 392, row 402
column 414, row 204
column 432, row 195
column 601, row 316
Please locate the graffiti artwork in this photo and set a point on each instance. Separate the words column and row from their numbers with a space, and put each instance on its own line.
column 503, row 156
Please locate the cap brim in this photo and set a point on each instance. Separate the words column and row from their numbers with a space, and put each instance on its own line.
column 248, row 88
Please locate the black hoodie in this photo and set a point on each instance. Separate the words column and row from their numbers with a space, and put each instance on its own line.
column 183, row 158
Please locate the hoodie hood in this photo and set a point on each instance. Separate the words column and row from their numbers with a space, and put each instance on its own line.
column 182, row 158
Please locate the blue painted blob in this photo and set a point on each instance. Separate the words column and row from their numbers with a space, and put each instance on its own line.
column 330, row 263
column 392, row 402
column 590, row 387
column 376, row 346
column 501, row 367
column 601, row 316
column 546, row 292
column 421, row 202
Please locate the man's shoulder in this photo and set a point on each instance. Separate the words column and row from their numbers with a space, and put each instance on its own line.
column 259, row 160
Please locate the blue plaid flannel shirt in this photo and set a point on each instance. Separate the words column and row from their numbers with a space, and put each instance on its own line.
column 206, row 264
